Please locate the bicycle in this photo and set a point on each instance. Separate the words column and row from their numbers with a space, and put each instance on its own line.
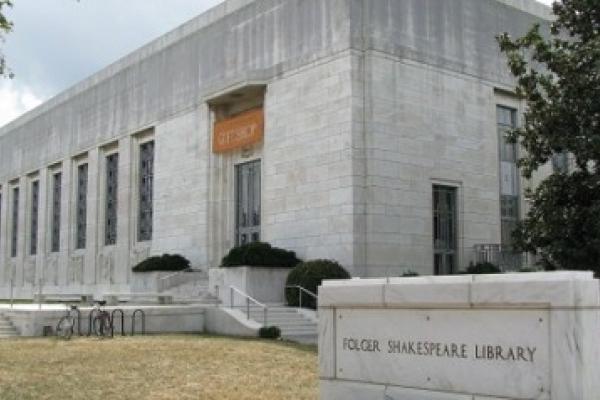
column 65, row 326
column 102, row 324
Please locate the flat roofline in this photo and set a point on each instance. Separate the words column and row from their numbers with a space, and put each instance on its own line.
column 533, row 7
column 197, row 23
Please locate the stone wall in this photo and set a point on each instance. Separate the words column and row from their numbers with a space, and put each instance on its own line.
column 366, row 104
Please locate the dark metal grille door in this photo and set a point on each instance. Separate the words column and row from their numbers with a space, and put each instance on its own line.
column 35, row 202
column 81, row 223
column 112, row 170
column 14, row 223
column 146, row 191
column 56, row 198
column 444, row 230
column 247, row 183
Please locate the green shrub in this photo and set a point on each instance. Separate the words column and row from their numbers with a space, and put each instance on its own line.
column 260, row 254
column 166, row 262
column 309, row 275
column 483, row 268
column 528, row 269
column 269, row 332
column 409, row 274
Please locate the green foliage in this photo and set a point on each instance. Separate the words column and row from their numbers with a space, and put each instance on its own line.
column 6, row 26
column 269, row 332
column 558, row 76
column 309, row 275
column 564, row 222
column 260, row 254
column 166, row 262
column 409, row 274
column 483, row 268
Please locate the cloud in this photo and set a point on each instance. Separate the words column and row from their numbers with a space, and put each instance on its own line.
column 57, row 43
column 15, row 101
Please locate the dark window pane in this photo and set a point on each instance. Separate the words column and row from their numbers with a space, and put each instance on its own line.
column 14, row 223
column 112, row 167
column 35, row 196
column 145, row 205
column 56, row 200
column 248, row 212
column 444, row 229
column 81, row 223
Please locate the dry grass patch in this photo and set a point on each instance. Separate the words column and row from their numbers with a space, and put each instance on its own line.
column 156, row 368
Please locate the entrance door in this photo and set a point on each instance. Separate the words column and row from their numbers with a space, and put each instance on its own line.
column 247, row 187
column 444, row 229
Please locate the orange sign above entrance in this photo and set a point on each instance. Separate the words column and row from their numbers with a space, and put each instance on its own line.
column 239, row 131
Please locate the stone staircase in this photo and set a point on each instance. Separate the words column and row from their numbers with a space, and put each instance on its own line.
column 295, row 325
column 7, row 330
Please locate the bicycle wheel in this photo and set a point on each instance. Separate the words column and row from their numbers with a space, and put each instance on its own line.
column 64, row 328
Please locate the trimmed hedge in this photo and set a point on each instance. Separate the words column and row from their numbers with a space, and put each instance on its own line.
column 309, row 275
column 409, row 274
column 166, row 262
column 483, row 268
column 269, row 332
column 260, row 254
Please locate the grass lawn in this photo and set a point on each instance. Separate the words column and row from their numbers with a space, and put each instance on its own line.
column 156, row 368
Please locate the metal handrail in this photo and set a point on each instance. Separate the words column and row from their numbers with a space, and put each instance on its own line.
column 300, row 291
column 233, row 290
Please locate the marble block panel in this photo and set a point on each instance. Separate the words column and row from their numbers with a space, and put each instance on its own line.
column 513, row 336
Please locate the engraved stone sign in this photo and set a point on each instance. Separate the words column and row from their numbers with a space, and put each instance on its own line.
column 455, row 350
column 514, row 336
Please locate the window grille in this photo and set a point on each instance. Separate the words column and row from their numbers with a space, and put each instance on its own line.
column 444, row 229
column 56, row 199
column 14, row 223
column 112, row 170
column 35, row 203
column 560, row 162
column 248, row 208
column 146, row 188
column 509, row 176
column 81, row 216
column 0, row 216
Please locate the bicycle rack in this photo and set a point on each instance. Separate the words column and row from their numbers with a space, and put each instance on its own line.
column 112, row 322
column 143, row 314
column 78, row 321
column 91, row 321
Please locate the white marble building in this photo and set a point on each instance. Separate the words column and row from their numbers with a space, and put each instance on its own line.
column 380, row 146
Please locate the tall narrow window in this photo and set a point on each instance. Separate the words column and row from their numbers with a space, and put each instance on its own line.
column 146, row 191
column 112, row 169
column 444, row 229
column 247, row 202
column 56, row 196
column 509, row 178
column 81, row 216
column 560, row 162
column 0, row 216
column 14, row 223
column 35, row 204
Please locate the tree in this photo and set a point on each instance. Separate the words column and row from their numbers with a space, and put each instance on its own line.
column 5, row 27
column 558, row 75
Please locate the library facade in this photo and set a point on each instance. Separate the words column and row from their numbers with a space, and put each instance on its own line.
column 369, row 132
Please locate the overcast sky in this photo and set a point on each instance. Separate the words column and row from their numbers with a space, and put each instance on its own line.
column 57, row 43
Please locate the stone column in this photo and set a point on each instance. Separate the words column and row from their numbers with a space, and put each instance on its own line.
column 19, row 260
column 93, row 199
column 124, row 209
column 43, row 231
column 67, row 222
